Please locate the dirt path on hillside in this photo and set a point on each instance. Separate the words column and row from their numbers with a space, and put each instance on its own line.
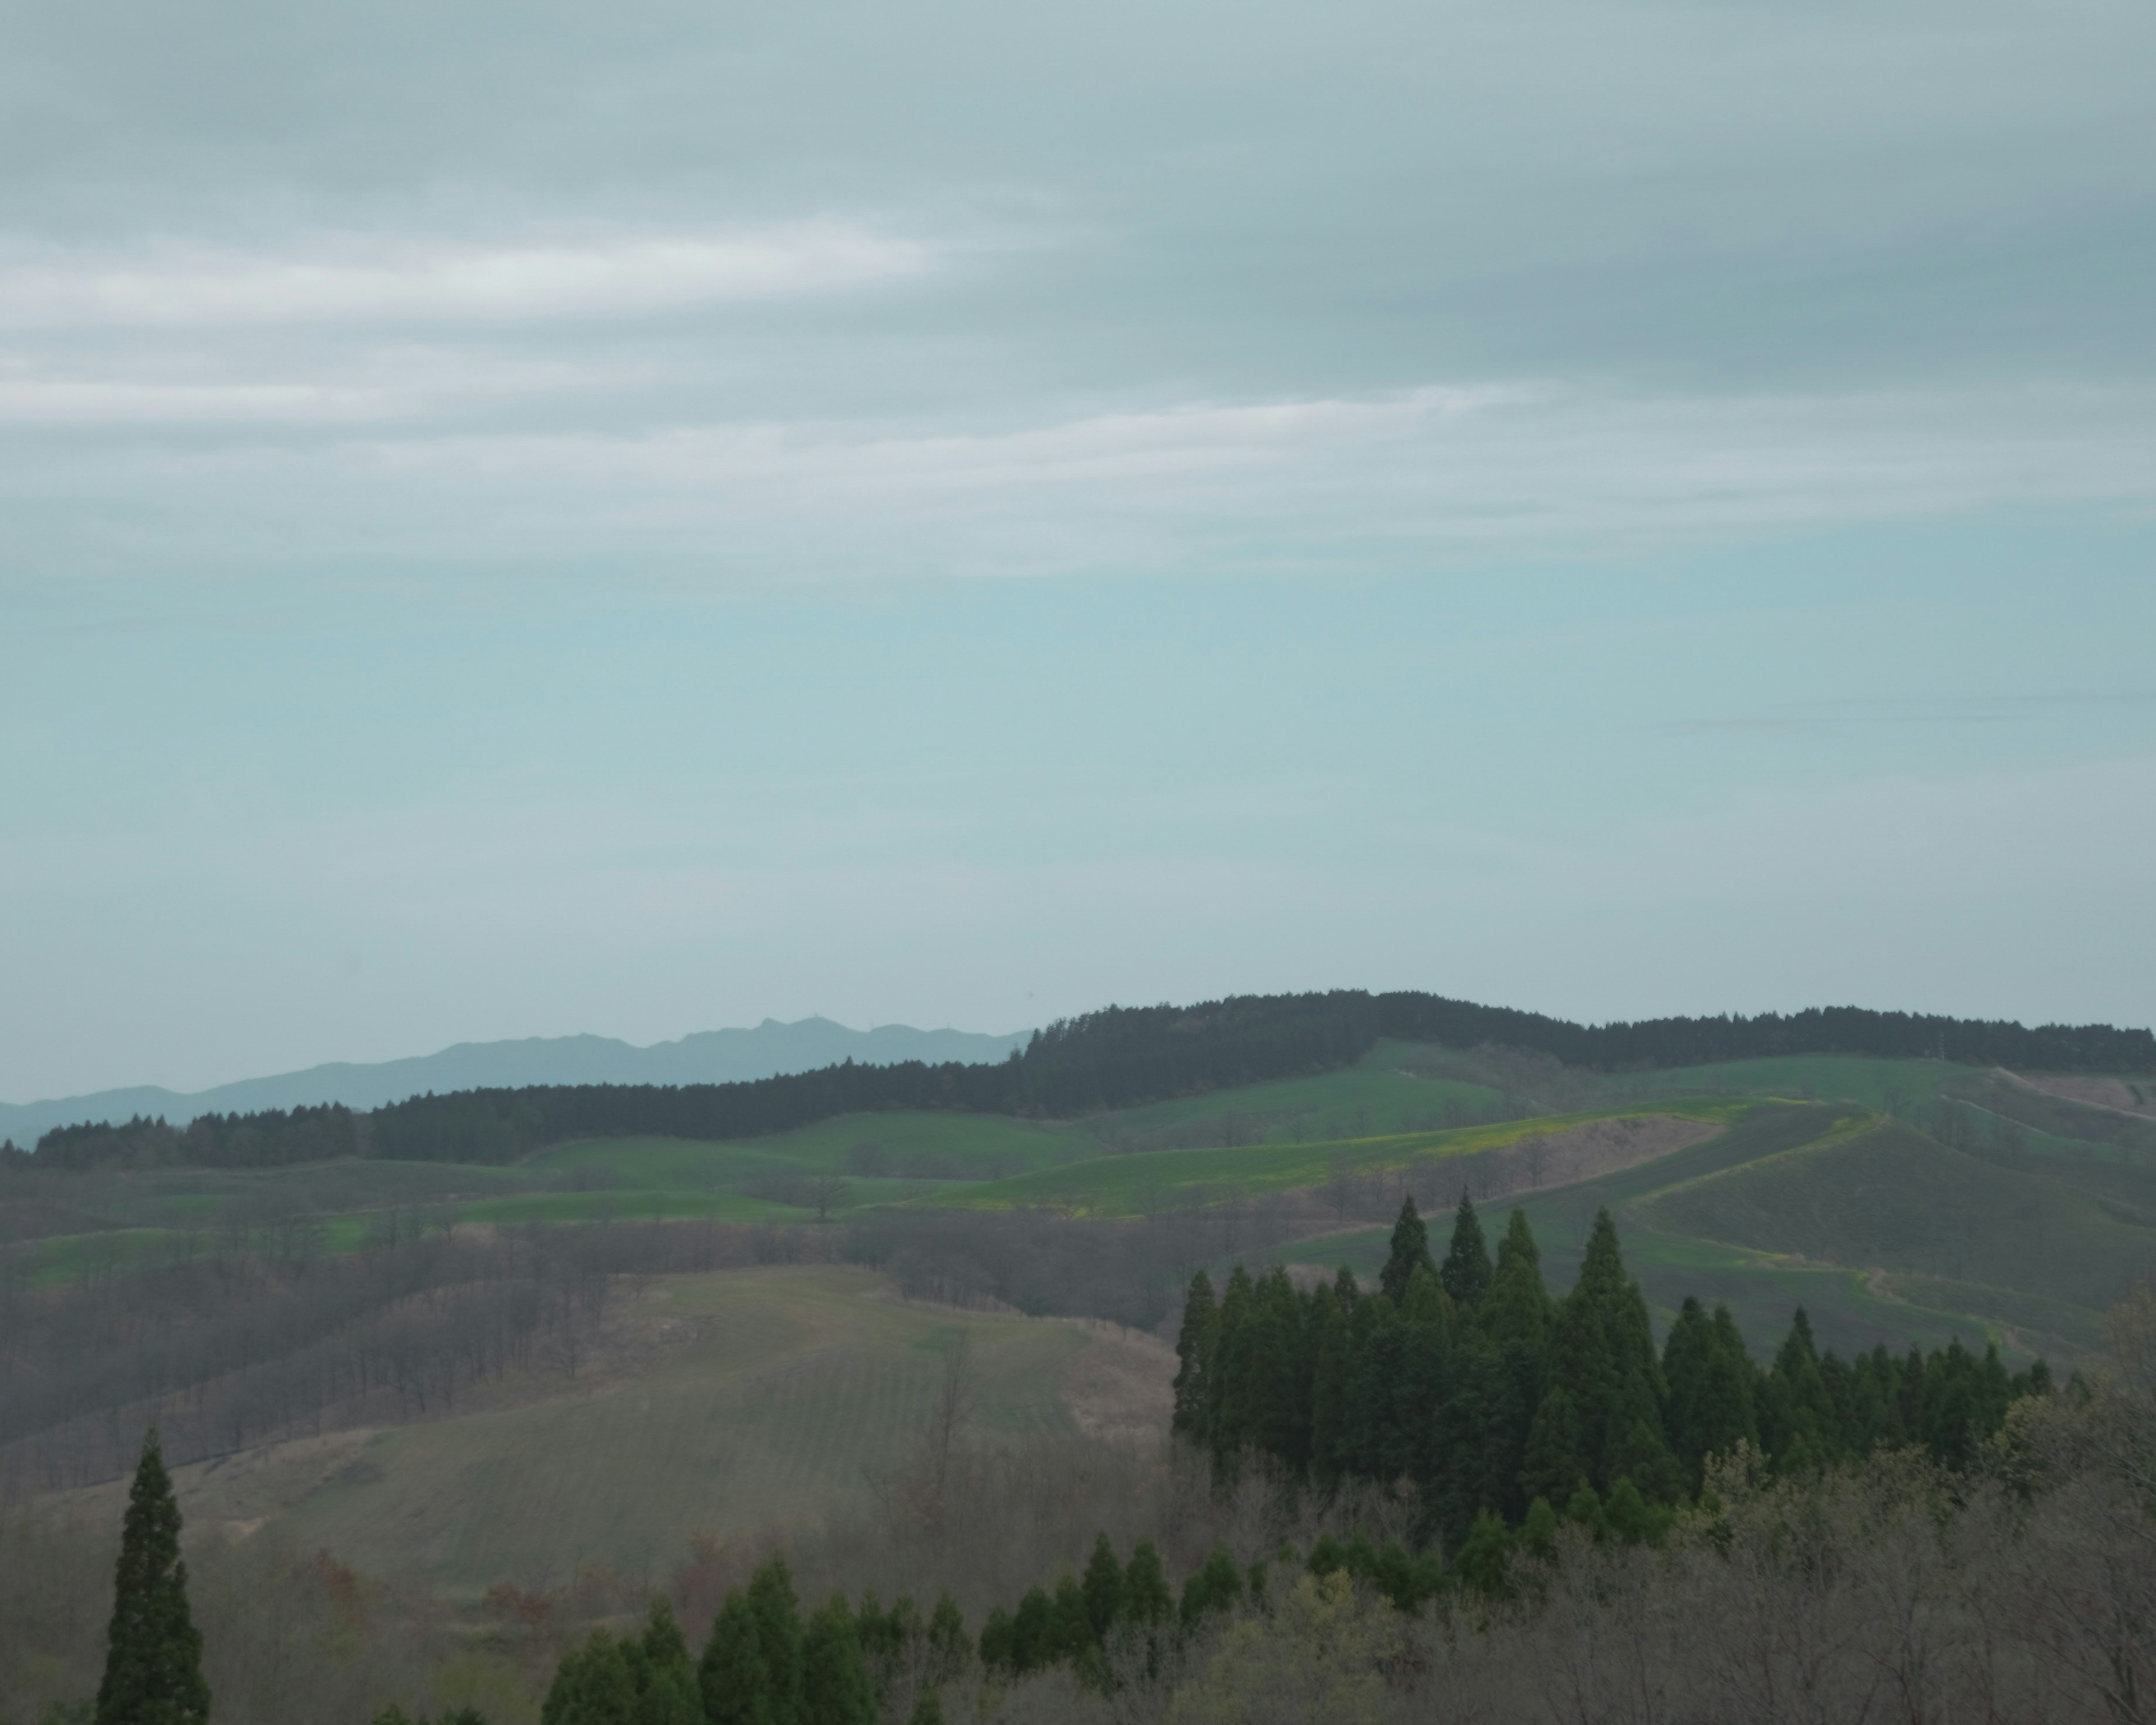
column 2114, row 1095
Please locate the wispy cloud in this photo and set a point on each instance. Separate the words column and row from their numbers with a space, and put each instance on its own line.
column 355, row 280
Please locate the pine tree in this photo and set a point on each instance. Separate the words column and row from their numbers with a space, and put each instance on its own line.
column 1410, row 1251
column 1710, row 1379
column 835, row 1677
column 1103, row 1588
column 667, row 1690
column 778, row 1617
column 1515, row 1311
column 1233, row 1370
column 948, row 1647
column 1602, row 1357
column 1467, row 1272
column 732, row 1677
column 1146, row 1598
column 1193, row 1348
column 928, row 1710
column 593, row 1685
column 1331, row 1372
column 1279, row 1365
column 153, row 1652
column 1070, row 1630
column 1216, row 1587
column 1798, row 1421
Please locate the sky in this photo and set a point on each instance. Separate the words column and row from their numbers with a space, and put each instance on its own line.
column 632, row 519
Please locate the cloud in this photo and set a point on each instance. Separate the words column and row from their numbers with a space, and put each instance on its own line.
column 1320, row 483
column 357, row 281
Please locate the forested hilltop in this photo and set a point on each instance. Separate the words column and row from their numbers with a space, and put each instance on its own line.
column 1117, row 1058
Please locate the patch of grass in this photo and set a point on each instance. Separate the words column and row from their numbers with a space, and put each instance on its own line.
column 1882, row 1086
column 1379, row 1096
column 628, row 1205
column 883, row 1145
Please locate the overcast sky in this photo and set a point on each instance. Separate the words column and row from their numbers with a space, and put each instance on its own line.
column 633, row 518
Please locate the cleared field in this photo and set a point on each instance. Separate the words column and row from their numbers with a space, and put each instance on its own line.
column 758, row 1397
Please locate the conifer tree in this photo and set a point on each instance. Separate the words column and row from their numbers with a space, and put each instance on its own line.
column 732, row 1677
column 1467, row 1271
column 593, row 1685
column 1146, row 1598
column 1331, row 1372
column 1797, row 1420
column 667, row 1690
column 153, row 1652
column 834, row 1678
column 777, row 1618
column 1279, row 1363
column 1710, row 1380
column 927, row 1710
column 1515, row 1311
column 1033, row 1632
column 1602, row 1357
column 1410, row 1251
column 1193, row 1346
column 1232, row 1372
column 948, row 1648
column 1103, row 1588
column 1216, row 1587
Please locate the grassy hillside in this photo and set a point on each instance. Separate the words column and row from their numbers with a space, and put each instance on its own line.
column 1146, row 1183
column 736, row 1400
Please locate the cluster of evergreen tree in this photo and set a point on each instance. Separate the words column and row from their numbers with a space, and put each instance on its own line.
column 271, row 1138
column 763, row 1664
column 1468, row 1379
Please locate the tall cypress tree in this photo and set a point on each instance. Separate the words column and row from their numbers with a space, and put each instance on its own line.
column 153, row 1652
column 732, row 1677
column 777, row 1615
column 1231, row 1372
column 667, row 1693
column 1331, row 1371
column 1103, row 1587
column 1467, row 1271
column 1193, row 1348
column 1410, row 1251
column 834, row 1678
column 1602, row 1357
column 1710, row 1378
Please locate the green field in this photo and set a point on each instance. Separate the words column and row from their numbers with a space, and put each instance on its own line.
column 1142, row 1184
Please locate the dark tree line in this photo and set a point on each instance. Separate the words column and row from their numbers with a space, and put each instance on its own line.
column 272, row 1139
column 1467, row 1378
column 1122, row 1057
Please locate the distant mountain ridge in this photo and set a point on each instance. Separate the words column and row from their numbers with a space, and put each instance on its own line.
column 707, row 1057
